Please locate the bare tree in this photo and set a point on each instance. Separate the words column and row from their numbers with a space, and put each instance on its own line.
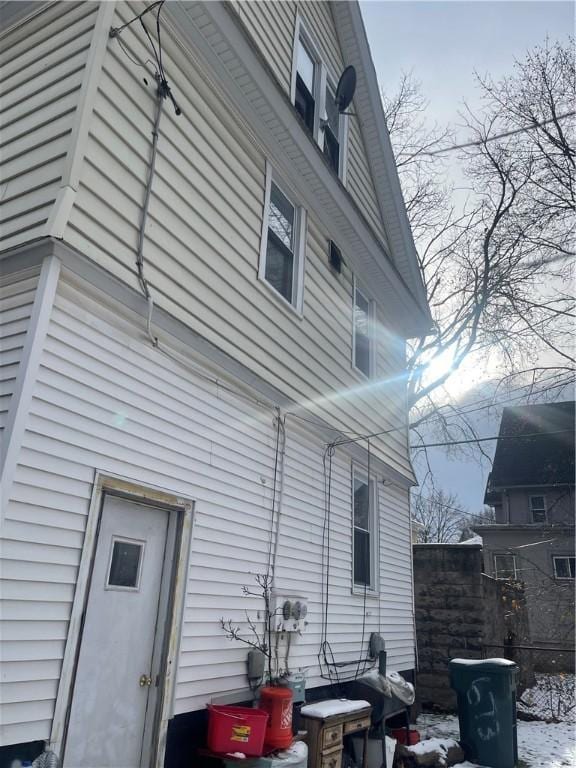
column 436, row 517
column 497, row 260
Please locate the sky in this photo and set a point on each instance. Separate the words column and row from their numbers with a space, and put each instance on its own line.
column 443, row 43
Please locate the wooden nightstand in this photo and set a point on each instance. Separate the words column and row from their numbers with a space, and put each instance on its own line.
column 326, row 735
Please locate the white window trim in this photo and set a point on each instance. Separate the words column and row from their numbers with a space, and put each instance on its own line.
column 372, row 590
column 562, row 557
column 371, row 327
column 537, row 496
column 299, row 243
column 301, row 30
column 505, row 554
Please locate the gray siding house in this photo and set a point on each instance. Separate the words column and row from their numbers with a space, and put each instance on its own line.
column 531, row 488
column 189, row 368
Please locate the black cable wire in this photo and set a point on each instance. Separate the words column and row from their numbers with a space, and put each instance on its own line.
column 115, row 31
column 274, row 484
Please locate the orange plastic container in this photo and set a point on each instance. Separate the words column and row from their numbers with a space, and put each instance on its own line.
column 236, row 729
column 277, row 702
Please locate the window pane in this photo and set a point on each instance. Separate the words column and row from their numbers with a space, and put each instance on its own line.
column 362, row 354
column 362, row 333
column 537, row 502
column 305, row 67
column 281, row 217
column 361, row 557
column 504, row 566
column 279, row 267
column 125, row 564
column 361, row 505
column 331, row 150
column 564, row 567
column 332, row 113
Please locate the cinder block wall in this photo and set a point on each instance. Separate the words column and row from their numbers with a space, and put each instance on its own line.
column 460, row 613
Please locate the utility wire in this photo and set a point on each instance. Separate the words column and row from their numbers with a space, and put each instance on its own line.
column 505, row 134
column 495, row 437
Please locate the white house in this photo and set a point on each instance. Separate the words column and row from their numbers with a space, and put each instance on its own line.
column 189, row 370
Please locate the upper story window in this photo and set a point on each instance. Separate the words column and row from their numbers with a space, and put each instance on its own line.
column 306, row 82
column 364, row 553
column 505, row 567
column 313, row 96
column 283, row 243
column 538, row 509
column 564, row 567
column 362, row 341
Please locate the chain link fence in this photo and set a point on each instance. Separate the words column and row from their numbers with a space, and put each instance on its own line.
column 546, row 688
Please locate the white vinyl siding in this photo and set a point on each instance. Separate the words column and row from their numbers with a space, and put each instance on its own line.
column 17, row 293
column 272, row 27
column 202, row 244
column 105, row 400
column 41, row 71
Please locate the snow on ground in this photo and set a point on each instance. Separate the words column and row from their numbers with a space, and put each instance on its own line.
column 552, row 698
column 540, row 745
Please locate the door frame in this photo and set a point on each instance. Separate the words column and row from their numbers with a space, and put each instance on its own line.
column 172, row 604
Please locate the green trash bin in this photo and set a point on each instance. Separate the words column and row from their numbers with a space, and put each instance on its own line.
column 486, row 691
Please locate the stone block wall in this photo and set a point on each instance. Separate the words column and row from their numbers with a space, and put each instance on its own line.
column 461, row 613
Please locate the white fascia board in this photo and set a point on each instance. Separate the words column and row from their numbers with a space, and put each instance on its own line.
column 211, row 37
column 356, row 51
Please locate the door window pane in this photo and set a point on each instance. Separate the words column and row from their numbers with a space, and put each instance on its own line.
column 125, row 564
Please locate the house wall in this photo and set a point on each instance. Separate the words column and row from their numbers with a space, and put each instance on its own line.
column 106, row 400
column 17, row 293
column 271, row 26
column 203, row 241
column 559, row 505
column 42, row 66
column 550, row 601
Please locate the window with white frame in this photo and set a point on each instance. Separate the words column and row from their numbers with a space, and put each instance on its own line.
column 362, row 341
column 505, row 567
column 538, row 509
column 283, row 243
column 313, row 96
column 564, row 567
column 364, row 530
column 306, row 86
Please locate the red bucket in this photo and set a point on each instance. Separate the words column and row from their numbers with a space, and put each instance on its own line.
column 236, row 729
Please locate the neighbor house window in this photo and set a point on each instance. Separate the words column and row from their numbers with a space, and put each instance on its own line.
column 362, row 341
column 364, row 525
column 538, row 509
column 283, row 239
column 564, row 567
column 313, row 96
column 505, row 567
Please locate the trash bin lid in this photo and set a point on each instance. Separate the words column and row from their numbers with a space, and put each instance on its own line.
column 496, row 666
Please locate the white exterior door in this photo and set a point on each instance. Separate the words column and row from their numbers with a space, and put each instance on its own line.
column 115, row 689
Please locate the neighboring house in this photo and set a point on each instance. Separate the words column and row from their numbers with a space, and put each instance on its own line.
column 176, row 370
column 531, row 488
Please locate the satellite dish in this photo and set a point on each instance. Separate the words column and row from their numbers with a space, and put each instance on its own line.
column 345, row 89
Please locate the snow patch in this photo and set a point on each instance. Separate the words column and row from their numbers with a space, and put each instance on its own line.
column 333, row 707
